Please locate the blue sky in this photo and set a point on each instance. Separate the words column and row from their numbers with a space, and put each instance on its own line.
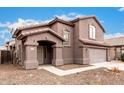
column 111, row 18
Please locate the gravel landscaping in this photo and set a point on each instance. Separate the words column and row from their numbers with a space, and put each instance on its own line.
column 15, row 75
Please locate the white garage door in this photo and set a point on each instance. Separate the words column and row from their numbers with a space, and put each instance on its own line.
column 97, row 55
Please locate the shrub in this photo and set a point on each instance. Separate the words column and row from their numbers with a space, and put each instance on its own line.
column 115, row 69
column 122, row 57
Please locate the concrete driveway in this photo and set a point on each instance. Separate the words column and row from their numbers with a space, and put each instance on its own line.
column 109, row 65
column 61, row 72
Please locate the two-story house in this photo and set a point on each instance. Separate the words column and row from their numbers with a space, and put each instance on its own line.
column 59, row 42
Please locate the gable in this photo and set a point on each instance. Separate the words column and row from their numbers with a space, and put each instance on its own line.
column 86, row 23
column 41, row 31
column 44, row 37
column 84, row 29
column 94, row 22
column 100, row 25
column 84, row 18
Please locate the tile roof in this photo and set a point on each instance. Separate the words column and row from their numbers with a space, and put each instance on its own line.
column 24, row 34
column 118, row 41
column 92, row 42
column 71, row 23
column 46, row 24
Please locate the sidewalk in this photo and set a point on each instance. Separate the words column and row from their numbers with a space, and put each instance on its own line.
column 60, row 72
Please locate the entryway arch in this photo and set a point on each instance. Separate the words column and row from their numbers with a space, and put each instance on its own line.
column 46, row 38
column 45, row 52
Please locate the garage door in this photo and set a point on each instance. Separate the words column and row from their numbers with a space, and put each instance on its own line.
column 97, row 55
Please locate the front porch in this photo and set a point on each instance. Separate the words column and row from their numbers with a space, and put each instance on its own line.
column 44, row 52
column 43, row 48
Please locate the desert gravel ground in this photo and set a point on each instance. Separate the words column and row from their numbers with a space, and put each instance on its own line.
column 15, row 75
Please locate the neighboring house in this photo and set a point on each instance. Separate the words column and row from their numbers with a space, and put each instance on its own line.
column 5, row 54
column 59, row 42
column 117, row 47
column 12, row 49
column 3, row 50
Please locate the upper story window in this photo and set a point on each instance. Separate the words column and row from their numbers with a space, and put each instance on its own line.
column 66, row 36
column 92, row 32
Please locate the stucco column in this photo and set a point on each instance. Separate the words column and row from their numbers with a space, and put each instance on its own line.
column 108, row 54
column 57, row 56
column 86, row 59
column 30, row 61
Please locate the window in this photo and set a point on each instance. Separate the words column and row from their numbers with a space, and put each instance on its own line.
column 92, row 32
column 66, row 35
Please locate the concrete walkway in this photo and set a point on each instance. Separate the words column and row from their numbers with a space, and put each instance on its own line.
column 61, row 72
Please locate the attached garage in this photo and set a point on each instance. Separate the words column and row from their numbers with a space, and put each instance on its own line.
column 97, row 55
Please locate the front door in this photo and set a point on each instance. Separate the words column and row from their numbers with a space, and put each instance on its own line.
column 40, row 55
column 47, row 54
column 44, row 54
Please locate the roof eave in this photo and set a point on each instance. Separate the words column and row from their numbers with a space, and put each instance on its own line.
column 89, row 43
column 62, row 21
column 35, row 26
column 47, row 30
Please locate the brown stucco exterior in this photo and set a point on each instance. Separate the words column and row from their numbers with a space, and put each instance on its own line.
column 116, row 47
column 50, row 37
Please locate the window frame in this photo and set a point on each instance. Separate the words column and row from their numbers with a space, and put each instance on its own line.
column 92, row 33
column 66, row 32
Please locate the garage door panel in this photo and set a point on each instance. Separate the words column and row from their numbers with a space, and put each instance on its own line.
column 97, row 55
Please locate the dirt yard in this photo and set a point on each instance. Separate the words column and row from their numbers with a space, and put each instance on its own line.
column 72, row 66
column 15, row 75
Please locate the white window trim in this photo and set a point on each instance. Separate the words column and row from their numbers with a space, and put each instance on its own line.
column 92, row 32
column 66, row 32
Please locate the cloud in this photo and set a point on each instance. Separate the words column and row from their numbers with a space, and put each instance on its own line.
column 3, row 48
column 69, row 16
column 108, row 36
column 3, row 35
column 9, row 27
column 19, row 23
column 4, row 24
column 72, row 14
column 64, row 17
column 27, row 22
column 121, row 9
column 22, row 23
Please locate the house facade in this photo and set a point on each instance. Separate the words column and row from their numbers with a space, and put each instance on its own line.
column 116, row 47
column 59, row 42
